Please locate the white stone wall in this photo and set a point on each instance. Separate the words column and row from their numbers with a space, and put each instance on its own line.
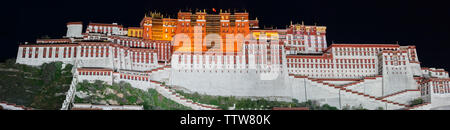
column 247, row 85
column 372, row 87
column 397, row 74
column 107, row 78
column 108, row 29
column 346, row 62
column 440, row 101
column 220, row 80
column 228, row 83
column 351, row 56
column 338, row 82
column 433, row 72
column 39, row 51
column 161, row 75
column 143, row 85
column 74, row 30
column 73, row 54
column 404, row 97
column 415, row 69
column 98, row 61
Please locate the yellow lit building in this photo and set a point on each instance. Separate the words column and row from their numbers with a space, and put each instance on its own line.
column 270, row 34
column 135, row 32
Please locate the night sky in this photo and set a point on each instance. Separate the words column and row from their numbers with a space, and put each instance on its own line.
column 421, row 23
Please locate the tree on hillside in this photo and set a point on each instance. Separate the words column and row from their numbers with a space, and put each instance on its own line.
column 50, row 71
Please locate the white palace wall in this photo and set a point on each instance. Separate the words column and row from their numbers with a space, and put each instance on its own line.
column 229, row 83
column 397, row 75
column 93, row 74
column 282, row 88
column 436, row 91
column 89, row 54
column 74, row 30
column 34, row 54
column 138, row 80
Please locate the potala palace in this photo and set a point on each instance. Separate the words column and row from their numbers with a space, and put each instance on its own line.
column 226, row 53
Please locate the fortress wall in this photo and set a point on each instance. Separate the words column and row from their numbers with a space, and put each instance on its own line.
column 415, row 69
column 229, row 84
column 319, row 92
column 338, row 82
column 143, row 85
column 108, row 79
column 396, row 83
column 40, row 61
column 340, row 98
column 440, row 101
column 404, row 97
column 95, row 62
column 370, row 87
column 30, row 58
column 368, row 103
column 397, row 72
column 136, row 81
column 162, row 75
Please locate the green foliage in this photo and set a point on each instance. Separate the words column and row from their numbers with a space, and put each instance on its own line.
column 417, row 101
column 327, row 107
column 124, row 94
column 347, row 107
column 246, row 103
column 50, row 72
column 294, row 100
column 41, row 87
column 360, row 107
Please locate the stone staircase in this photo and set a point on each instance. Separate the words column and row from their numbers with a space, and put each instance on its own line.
column 362, row 86
column 361, row 81
column 166, row 67
column 70, row 94
column 397, row 93
column 358, row 93
column 160, row 73
column 172, row 95
column 349, row 91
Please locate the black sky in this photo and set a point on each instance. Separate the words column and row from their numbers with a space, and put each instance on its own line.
column 425, row 24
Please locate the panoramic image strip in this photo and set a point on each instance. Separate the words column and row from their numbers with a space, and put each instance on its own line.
column 225, row 55
column 224, row 63
column 219, row 59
